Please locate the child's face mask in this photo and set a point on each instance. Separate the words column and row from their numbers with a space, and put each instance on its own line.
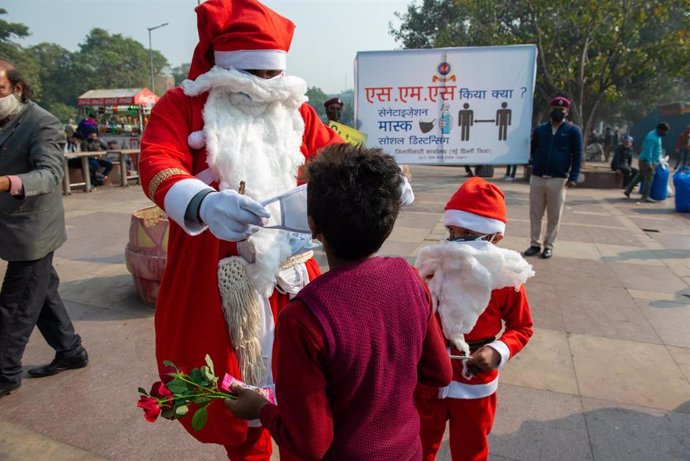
column 293, row 211
column 470, row 238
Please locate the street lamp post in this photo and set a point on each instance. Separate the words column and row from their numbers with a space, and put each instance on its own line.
column 153, row 82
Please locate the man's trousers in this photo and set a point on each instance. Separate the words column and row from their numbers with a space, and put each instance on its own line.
column 29, row 297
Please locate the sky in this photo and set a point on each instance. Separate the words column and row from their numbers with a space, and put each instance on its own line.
column 328, row 33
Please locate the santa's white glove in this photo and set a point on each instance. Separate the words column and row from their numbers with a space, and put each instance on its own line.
column 231, row 216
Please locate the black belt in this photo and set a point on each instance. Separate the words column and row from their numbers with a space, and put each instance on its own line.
column 482, row 342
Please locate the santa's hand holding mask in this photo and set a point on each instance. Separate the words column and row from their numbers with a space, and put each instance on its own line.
column 231, row 216
column 233, row 258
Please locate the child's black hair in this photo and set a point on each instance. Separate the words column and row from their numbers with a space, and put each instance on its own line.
column 354, row 198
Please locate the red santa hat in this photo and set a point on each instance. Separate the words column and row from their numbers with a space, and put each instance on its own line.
column 478, row 206
column 243, row 34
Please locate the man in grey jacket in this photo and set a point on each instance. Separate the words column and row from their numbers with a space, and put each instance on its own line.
column 32, row 227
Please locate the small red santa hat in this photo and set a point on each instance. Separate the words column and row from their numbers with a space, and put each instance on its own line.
column 478, row 206
column 242, row 34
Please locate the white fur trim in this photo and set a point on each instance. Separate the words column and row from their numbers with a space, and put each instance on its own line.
column 289, row 90
column 473, row 222
column 177, row 199
column 252, row 59
column 502, row 349
column 266, row 338
column 458, row 390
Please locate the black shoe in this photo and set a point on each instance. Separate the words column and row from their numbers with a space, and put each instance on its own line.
column 61, row 364
column 548, row 252
column 532, row 250
column 6, row 387
column 626, row 193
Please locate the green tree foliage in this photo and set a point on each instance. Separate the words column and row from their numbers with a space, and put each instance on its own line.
column 180, row 73
column 597, row 52
column 12, row 52
column 10, row 30
column 56, row 73
column 316, row 100
column 114, row 61
column 58, row 76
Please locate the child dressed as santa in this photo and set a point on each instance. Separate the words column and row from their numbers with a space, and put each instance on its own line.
column 478, row 289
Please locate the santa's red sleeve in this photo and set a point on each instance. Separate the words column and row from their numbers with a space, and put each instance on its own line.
column 302, row 424
column 518, row 322
column 167, row 164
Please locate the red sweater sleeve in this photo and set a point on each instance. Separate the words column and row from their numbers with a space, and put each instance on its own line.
column 434, row 368
column 302, row 423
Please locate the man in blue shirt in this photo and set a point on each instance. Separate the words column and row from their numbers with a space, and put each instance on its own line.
column 649, row 158
column 555, row 155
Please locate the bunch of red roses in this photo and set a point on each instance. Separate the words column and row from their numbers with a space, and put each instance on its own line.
column 173, row 399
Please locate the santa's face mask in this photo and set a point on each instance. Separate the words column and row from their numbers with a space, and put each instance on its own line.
column 292, row 214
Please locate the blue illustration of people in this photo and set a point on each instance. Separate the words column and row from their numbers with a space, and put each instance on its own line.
column 465, row 121
column 446, row 120
column 503, row 120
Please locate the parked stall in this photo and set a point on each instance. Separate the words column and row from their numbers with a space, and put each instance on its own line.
column 121, row 113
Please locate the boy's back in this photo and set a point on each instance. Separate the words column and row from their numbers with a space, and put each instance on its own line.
column 374, row 316
column 353, row 343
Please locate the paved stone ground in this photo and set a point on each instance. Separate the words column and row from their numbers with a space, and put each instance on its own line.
column 605, row 377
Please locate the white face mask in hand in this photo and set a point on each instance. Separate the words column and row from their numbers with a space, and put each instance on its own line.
column 293, row 211
column 8, row 105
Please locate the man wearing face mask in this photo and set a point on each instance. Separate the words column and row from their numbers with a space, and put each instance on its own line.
column 215, row 152
column 555, row 155
column 32, row 227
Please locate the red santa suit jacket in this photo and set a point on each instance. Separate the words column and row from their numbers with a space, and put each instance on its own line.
column 506, row 305
column 189, row 320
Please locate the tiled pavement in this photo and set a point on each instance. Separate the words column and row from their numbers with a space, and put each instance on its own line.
column 605, row 377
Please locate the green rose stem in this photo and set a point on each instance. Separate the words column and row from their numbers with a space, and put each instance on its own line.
column 211, row 392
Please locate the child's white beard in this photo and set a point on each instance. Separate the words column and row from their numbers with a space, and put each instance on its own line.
column 462, row 278
column 253, row 130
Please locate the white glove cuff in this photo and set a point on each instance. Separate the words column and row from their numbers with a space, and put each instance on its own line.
column 177, row 199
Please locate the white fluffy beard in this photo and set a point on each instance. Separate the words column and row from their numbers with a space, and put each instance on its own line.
column 253, row 132
column 461, row 276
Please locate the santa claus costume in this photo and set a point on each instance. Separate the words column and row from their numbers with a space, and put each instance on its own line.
column 478, row 287
column 222, row 128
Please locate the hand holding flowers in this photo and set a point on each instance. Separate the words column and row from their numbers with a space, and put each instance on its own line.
column 184, row 392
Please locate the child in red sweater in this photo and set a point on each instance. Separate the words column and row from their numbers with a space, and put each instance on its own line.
column 353, row 344
column 475, row 217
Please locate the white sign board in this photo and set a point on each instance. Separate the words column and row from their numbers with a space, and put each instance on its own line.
column 466, row 106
